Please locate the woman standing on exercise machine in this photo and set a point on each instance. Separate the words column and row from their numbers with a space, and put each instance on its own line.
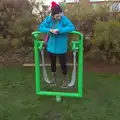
column 57, row 26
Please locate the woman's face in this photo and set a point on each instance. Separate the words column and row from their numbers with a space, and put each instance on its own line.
column 57, row 16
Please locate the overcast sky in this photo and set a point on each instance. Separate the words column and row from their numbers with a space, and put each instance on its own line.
column 97, row 0
column 57, row 1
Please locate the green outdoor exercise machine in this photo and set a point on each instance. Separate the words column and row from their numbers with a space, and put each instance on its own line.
column 77, row 46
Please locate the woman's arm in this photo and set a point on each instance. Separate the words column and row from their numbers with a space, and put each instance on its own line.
column 43, row 27
column 69, row 27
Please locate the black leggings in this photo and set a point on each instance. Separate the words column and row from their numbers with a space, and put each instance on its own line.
column 62, row 60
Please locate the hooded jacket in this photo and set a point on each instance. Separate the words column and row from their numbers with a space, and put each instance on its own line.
column 57, row 44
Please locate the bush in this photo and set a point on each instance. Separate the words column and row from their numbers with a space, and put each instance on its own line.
column 107, row 40
column 16, row 24
column 84, row 17
column 99, row 26
column 4, row 43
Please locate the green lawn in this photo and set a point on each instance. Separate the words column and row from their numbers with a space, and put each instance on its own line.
column 18, row 101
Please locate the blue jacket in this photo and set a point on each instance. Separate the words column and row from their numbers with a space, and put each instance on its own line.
column 57, row 44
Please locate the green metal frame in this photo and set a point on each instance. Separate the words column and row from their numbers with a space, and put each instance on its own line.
column 76, row 45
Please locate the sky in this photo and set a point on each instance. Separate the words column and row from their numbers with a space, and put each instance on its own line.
column 49, row 1
column 57, row 1
column 96, row 0
column 102, row 0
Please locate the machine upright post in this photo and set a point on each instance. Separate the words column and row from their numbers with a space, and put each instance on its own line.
column 37, row 67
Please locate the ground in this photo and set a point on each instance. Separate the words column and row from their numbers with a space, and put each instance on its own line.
column 21, row 56
column 18, row 101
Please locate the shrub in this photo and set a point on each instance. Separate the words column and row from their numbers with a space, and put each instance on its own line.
column 107, row 40
column 16, row 24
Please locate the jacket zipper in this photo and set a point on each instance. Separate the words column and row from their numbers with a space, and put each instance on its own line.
column 55, row 43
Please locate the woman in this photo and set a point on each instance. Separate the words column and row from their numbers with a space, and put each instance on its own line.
column 57, row 26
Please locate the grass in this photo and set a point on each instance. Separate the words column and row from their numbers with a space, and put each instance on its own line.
column 18, row 101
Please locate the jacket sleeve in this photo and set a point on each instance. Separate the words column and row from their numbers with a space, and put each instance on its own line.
column 43, row 27
column 68, row 26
